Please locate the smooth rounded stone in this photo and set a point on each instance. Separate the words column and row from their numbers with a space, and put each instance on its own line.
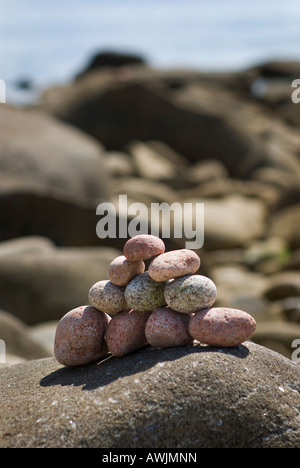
column 52, row 175
column 222, row 327
column 26, row 245
column 151, row 164
column 79, row 337
column 121, row 270
column 167, row 328
column 60, row 158
column 190, row 293
column 107, row 297
column 191, row 396
column 126, row 332
column 143, row 247
column 144, row 294
column 232, row 221
column 173, row 264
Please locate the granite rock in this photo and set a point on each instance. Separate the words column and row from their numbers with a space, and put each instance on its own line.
column 52, row 177
column 18, row 338
column 42, row 286
column 187, row 397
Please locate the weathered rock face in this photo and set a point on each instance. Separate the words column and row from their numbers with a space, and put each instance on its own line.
column 197, row 118
column 134, row 110
column 233, row 221
column 52, row 178
column 188, row 397
column 43, row 285
column 37, row 148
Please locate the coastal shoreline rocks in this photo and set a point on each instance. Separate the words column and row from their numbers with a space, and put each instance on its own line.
column 174, row 136
column 51, row 174
column 247, row 396
column 245, row 171
column 40, row 286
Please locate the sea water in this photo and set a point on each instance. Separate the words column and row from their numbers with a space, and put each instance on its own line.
column 47, row 43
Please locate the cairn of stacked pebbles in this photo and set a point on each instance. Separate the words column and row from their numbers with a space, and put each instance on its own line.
column 168, row 305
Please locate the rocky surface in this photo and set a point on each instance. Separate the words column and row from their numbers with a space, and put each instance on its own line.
column 189, row 397
column 43, row 285
column 52, row 176
column 228, row 140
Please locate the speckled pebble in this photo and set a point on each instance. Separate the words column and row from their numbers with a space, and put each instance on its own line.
column 143, row 247
column 166, row 328
column 144, row 294
column 79, row 337
column 121, row 270
column 108, row 297
column 190, row 293
column 126, row 332
column 221, row 326
column 173, row 264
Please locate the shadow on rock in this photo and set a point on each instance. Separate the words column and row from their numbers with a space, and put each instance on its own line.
column 111, row 368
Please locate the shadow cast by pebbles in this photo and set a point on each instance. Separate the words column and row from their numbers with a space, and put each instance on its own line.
column 111, row 368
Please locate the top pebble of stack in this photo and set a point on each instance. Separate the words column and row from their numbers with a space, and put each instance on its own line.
column 143, row 247
column 174, row 264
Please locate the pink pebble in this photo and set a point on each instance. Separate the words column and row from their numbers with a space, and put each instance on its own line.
column 79, row 337
column 166, row 328
column 221, row 326
column 121, row 270
column 142, row 247
column 126, row 332
column 173, row 264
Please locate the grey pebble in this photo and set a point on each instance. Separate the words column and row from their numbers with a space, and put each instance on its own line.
column 144, row 294
column 107, row 297
column 189, row 293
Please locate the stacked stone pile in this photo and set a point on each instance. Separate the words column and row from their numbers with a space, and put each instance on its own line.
column 168, row 305
column 157, row 136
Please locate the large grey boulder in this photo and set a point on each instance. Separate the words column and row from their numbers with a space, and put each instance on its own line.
column 41, row 286
column 188, row 397
column 52, row 177
column 36, row 148
column 197, row 118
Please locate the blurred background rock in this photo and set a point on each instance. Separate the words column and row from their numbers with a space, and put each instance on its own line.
column 225, row 136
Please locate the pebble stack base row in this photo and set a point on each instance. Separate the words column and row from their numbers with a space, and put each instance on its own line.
column 167, row 306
